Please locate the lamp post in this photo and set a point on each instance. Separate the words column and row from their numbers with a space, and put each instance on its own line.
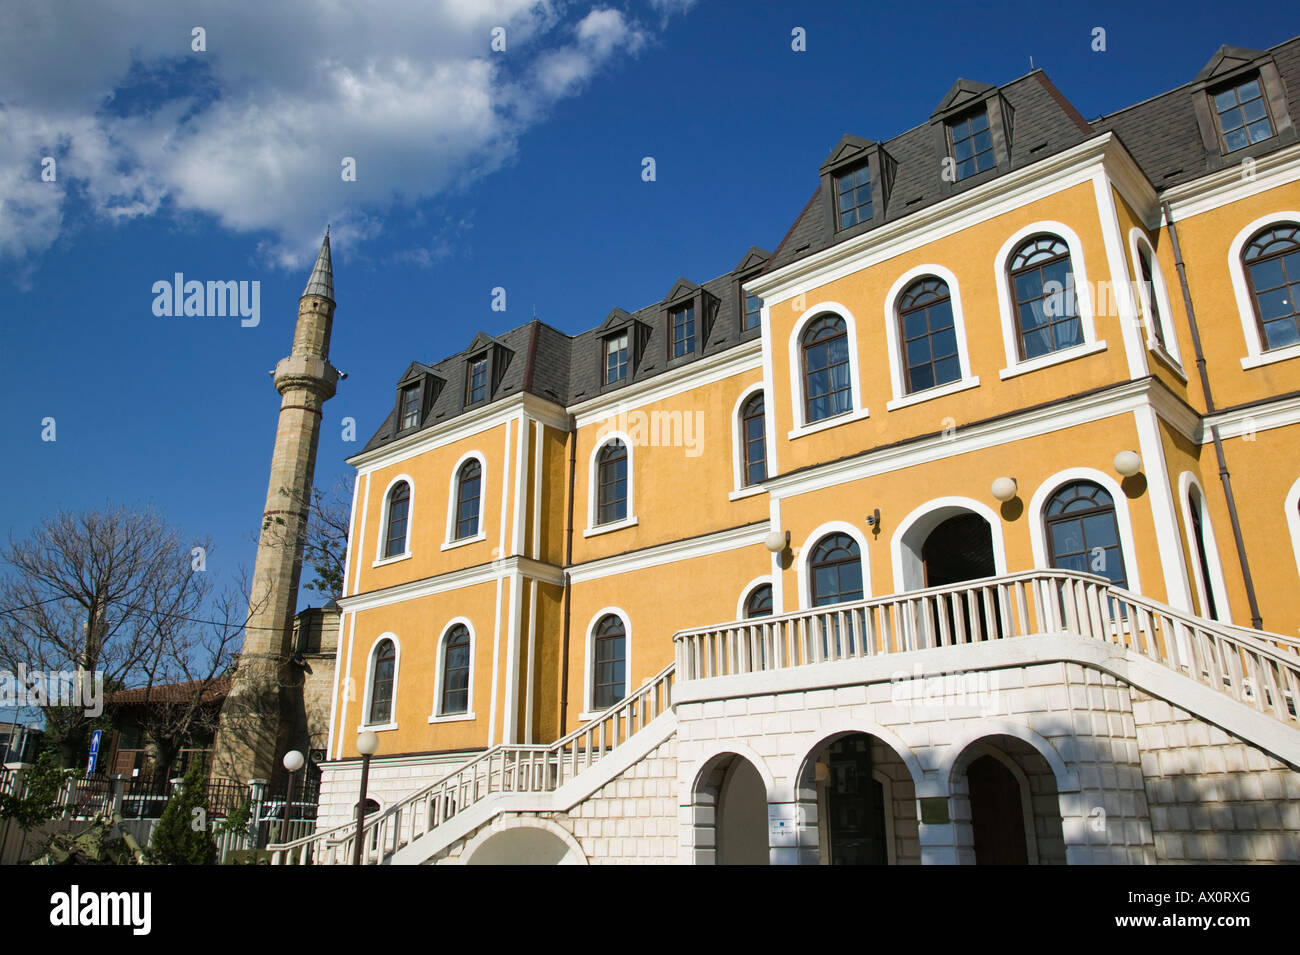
column 367, row 746
column 293, row 762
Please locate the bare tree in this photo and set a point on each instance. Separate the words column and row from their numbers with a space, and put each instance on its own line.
column 111, row 593
column 326, row 550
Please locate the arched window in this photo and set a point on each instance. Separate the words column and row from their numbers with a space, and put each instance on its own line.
column 753, row 441
column 836, row 570
column 927, row 334
column 1082, row 533
column 759, row 602
column 1195, row 508
column 609, row 658
column 468, row 492
column 455, row 671
column 611, row 489
column 825, row 346
column 399, row 505
column 1046, row 309
column 381, row 683
column 1272, row 263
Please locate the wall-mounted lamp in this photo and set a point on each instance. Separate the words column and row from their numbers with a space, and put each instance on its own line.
column 1004, row 488
column 821, row 772
column 1127, row 463
column 777, row 541
column 873, row 519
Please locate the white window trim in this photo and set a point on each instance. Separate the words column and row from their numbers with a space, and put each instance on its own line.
column 380, row 559
column 1038, row 535
column 855, row 413
column 1169, row 353
column 1256, row 355
column 439, row 668
column 749, row 589
column 897, row 364
column 937, row 511
column 1083, row 299
column 804, row 555
column 588, row 710
column 1216, row 584
column 370, row 685
column 593, row 486
column 739, row 487
column 605, row 352
column 450, row 541
column 1292, row 506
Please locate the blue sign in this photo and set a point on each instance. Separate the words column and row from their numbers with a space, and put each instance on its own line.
column 94, row 750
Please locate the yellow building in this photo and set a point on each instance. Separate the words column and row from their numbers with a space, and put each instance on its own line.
column 1057, row 357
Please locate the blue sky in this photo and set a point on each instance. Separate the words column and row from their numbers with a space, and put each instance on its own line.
column 519, row 169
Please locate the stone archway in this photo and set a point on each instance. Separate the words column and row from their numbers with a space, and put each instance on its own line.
column 1006, row 804
column 523, row 842
column 860, row 796
column 729, row 801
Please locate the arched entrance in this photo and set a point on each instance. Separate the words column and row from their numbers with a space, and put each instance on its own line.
column 538, row 842
column 1011, row 813
column 862, row 796
column 735, row 791
column 959, row 549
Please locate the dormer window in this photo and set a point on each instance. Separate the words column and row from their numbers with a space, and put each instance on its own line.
column 753, row 312
column 1242, row 114
column 410, row 407
column 478, row 380
column 616, row 358
column 971, row 143
column 683, row 330
column 853, row 196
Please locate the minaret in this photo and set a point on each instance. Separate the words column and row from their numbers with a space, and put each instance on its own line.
column 260, row 713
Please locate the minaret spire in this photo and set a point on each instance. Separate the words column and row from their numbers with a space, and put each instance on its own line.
column 321, row 280
column 259, row 718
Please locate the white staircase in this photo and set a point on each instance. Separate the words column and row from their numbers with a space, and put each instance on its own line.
column 501, row 770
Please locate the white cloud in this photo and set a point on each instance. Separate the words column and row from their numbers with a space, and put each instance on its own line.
column 255, row 135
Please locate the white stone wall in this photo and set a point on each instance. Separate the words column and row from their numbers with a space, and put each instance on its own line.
column 631, row 819
column 1079, row 717
column 1213, row 797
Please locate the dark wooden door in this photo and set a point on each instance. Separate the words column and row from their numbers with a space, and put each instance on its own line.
column 996, row 814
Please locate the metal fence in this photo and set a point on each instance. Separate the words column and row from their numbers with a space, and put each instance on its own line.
column 142, row 799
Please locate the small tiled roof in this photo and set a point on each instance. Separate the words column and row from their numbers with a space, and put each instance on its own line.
column 171, row 693
column 1161, row 134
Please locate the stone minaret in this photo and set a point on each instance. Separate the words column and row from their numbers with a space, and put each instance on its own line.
column 260, row 713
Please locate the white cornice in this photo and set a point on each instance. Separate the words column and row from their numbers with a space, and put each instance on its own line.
column 1121, row 399
column 463, row 426
column 1231, row 183
column 1239, row 422
column 455, row 580
column 1067, row 168
column 741, row 358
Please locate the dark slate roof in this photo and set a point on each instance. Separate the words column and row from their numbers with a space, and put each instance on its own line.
column 1044, row 123
column 1160, row 133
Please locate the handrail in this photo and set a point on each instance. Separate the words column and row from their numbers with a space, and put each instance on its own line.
column 1249, row 666
column 506, row 767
